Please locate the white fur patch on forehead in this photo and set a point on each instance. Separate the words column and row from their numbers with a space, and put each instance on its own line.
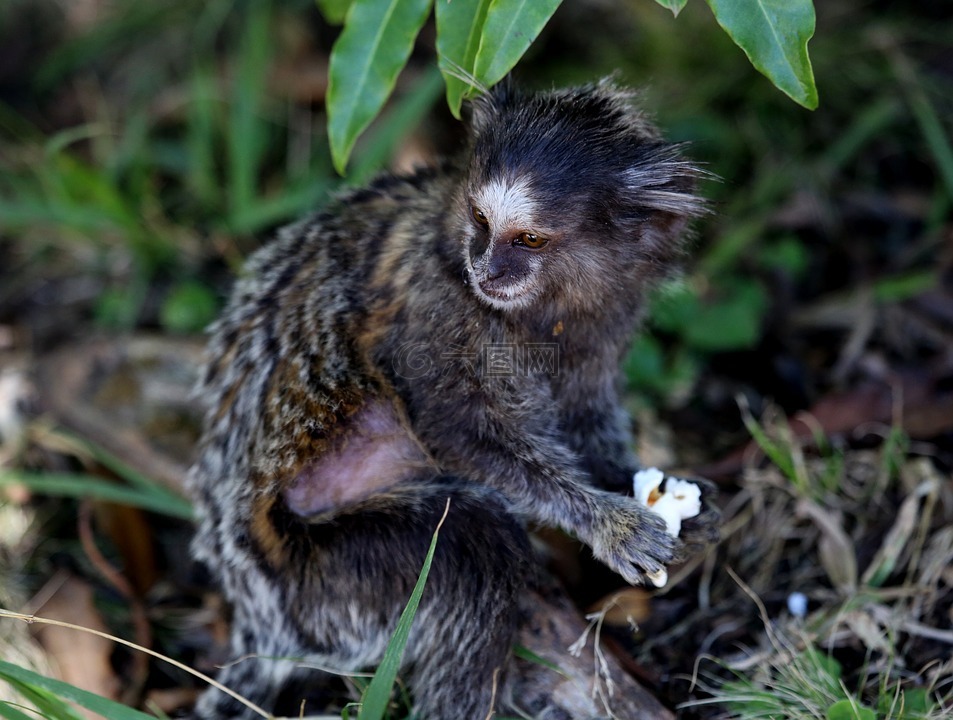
column 507, row 204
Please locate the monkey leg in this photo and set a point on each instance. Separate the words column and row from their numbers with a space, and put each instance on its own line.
column 365, row 561
column 348, row 575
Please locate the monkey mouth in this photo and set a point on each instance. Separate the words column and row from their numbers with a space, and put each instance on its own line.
column 506, row 295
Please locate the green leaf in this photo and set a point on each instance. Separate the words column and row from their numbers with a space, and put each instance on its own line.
column 644, row 365
column 849, row 710
column 103, row 706
column 511, row 26
column 674, row 5
column 912, row 703
column 674, row 304
column 459, row 31
column 774, row 35
column 378, row 693
column 189, row 307
column 824, row 663
column 365, row 61
column 732, row 321
column 334, row 11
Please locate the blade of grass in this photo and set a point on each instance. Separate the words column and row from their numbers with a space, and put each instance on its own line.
column 9, row 711
column 926, row 116
column 775, row 451
column 35, row 686
column 870, row 122
column 200, row 137
column 30, row 619
column 525, row 653
column 86, row 486
column 289, row 204
column 112, row 34
column 378, row 693
column 46, row 703
column 246, row 131
column 84, row 447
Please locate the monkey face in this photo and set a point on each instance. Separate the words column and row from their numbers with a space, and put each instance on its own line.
column 570, row 199
column 506, row 243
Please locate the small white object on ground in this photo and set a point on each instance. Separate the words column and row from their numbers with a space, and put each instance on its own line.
column 681, row 499
column 797, row 604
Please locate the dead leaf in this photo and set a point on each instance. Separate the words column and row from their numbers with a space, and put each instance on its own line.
column 624, row 608
column 835, row 549
column 900, row 533
column 81, row 659
column 868, row 630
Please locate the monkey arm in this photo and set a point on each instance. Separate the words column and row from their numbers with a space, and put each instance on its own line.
column 509, row 438
column 592, row 420
column 599, row 432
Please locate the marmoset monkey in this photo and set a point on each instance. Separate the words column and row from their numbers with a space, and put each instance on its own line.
column 453, row 333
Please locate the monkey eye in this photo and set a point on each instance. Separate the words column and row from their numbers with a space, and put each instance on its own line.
column 530, row 240
column 479, row 216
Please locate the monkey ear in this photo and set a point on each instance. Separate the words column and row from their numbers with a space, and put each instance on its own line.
column 660, row 189
column 487, row 107
column 663, row 181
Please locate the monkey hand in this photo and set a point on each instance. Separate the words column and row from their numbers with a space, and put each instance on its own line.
column 633, row 541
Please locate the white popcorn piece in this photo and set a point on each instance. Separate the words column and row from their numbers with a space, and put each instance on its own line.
column 681, row 498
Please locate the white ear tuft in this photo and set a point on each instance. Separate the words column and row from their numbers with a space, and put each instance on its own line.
column 665, row 181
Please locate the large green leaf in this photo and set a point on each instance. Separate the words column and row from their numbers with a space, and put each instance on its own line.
column 459, row 30
column 365, row 61
column 510, row 28
column 849, row 709
column 774, row 36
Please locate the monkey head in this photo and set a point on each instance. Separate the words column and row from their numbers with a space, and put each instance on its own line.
column 569, row 198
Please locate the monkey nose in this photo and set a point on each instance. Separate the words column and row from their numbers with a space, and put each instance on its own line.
column 496, row 270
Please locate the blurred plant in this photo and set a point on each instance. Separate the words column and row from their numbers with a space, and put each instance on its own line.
column 152, row 187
